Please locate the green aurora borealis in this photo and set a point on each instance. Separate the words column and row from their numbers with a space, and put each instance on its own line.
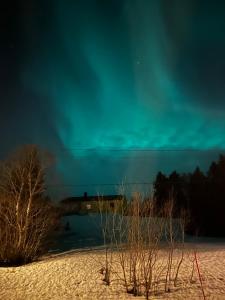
column 124, row 74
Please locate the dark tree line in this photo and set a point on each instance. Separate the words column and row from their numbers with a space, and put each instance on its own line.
column 201, row 194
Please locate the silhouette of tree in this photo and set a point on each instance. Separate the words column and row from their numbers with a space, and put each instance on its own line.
column 161, row 190
column 203, row 195
column 216, row 197
column 177, row 185
column 197, row 200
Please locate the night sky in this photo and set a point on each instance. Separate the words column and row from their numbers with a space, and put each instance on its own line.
column 89, row 78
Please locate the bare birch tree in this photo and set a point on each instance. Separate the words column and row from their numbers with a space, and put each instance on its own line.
column 26, row 216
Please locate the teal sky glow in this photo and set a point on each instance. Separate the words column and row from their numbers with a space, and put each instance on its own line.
column 128, row 75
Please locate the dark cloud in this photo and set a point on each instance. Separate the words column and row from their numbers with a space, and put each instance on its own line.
column 202, row 72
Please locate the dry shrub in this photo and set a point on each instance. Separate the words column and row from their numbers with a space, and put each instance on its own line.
column 134, row 237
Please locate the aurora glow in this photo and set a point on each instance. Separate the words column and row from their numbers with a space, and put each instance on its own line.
column 125, row 74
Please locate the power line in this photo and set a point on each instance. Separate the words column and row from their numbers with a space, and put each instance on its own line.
column 107, row 184
column 111, row 149
column 102, row 152
column 100, row 184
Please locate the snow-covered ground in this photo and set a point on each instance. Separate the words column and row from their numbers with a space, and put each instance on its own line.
column 76, row 275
